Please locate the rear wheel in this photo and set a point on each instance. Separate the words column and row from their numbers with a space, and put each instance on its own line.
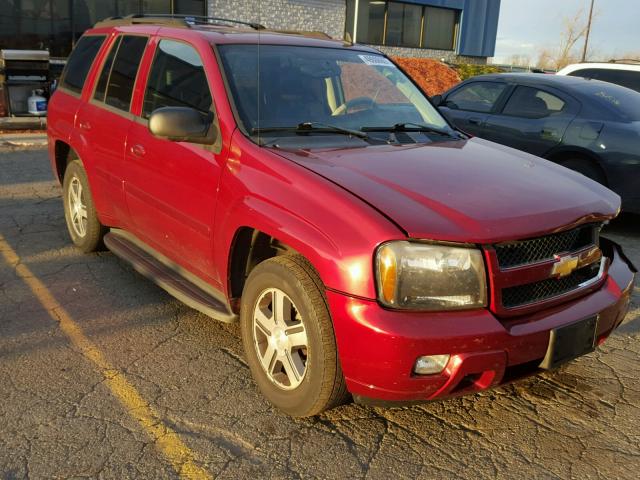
column 85, row 229
column 586, row 168
column 288, row 337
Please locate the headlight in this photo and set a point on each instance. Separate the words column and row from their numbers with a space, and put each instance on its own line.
column 422, row 276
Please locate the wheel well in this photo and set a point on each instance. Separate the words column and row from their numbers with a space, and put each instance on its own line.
column 64, row 154
column 250, row 247
column 569, row 155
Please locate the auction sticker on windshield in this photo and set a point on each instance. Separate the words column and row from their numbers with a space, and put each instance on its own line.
column 376, row 60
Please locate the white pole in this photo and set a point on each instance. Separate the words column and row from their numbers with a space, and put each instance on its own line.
column 355, row 22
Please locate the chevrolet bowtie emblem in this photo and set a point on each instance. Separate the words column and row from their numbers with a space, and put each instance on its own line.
column 566, row 264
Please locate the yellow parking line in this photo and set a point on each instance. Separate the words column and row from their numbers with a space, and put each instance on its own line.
column 167, row 441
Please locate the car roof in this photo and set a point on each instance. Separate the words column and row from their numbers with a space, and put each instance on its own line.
column 562, row 82
column 219, row 34
column 620, row 65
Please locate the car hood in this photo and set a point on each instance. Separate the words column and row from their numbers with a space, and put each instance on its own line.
column 465, row 191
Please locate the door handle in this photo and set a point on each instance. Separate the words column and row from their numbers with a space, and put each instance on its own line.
column 84, row 125
column 138, row 150
column 475, row 121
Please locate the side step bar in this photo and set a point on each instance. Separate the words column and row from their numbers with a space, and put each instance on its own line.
column 183, row 285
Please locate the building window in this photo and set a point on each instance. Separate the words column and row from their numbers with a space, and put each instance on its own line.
column 404, row 25
column 399, row 24
column 371, row 21
column 55, row 25
column 440, row 25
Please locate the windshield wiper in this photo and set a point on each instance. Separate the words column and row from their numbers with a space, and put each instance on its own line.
column 309, row 127
column 412, row 127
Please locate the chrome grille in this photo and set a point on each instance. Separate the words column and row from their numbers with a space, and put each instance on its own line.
column 539, row 249
column 552, row 287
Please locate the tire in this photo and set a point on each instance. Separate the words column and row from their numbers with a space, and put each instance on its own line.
column 321, row 382
column 86, row 232
column 586, row 168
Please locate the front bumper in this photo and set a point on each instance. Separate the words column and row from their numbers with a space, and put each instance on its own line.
column 378, row 347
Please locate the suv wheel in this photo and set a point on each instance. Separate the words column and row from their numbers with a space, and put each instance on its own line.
column 288, row 337
column 85, row 229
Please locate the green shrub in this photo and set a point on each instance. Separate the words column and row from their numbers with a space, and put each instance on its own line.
column 468, row 70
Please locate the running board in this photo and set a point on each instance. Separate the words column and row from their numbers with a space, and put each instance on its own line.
column 181, row 284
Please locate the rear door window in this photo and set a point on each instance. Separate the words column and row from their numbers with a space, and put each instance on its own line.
column 476, row 96
column 80, row 61
column 176, row 79
column 101, row 87
column 124, row 70
column 530, row 102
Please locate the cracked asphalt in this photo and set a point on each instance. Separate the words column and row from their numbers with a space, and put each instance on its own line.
column 58, row 419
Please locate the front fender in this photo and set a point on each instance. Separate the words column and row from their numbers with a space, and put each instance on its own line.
column 334, row 230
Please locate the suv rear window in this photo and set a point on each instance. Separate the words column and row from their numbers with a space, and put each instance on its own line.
column 80, row 62
column 625, row 78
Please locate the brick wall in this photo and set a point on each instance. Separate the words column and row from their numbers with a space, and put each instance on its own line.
column 314, row 15
column 448, row 55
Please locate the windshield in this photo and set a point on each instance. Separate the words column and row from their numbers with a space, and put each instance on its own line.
column 285, row 86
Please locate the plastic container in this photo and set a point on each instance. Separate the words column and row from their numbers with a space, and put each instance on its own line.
column 36, row 103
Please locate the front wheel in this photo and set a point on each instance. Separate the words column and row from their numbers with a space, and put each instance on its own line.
column 288, row 337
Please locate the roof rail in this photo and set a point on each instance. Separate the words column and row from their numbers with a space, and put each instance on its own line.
column 625, row 60
column 172, row 20
column 306, row 33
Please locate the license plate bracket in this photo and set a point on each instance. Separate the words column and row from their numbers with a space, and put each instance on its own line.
column 570, row 342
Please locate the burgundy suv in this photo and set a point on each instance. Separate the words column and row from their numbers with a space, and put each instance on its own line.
column 307, row 188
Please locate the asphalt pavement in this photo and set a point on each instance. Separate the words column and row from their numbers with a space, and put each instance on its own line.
column 104, row 375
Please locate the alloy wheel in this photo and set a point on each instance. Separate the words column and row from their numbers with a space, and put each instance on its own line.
column 77, row 207
column 280, row 338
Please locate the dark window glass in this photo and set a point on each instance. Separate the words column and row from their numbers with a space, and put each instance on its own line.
column 348, row 24
column 176, row 79
column 127, row 7
column 101, row 88
column 476, row 97
column 36, row 24
column 156, row 6
column 613, row 101
column 80, row 62
column 625, row 78
column 124, row 71
column 85, row 13
column 404, row 23
column 189, row 7
column 371, row 21
column 530, row 102
column 439, row 28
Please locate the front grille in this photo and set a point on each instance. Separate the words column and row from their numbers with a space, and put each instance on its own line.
column 552, row 287
column 544, row 248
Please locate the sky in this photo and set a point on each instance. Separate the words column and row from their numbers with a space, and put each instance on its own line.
column 528, row 26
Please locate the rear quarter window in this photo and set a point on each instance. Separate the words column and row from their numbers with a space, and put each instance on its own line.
column 80, row 61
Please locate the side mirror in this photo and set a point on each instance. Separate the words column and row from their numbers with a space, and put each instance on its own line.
column 437, row 100
column 182, row 124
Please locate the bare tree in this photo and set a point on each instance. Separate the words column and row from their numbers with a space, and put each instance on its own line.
column 574, row 29
column 519, row 60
